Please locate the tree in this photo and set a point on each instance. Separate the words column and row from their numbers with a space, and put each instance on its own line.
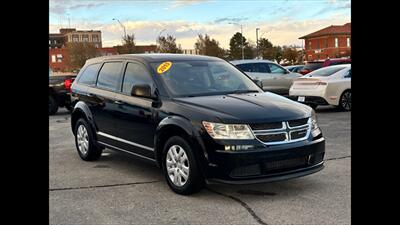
column 128, row 45
column 277, row 54
column 207, row 46
column 235, row 47
column 78, row 53
column 167, row 45
column 290, row 54
column 265, row 49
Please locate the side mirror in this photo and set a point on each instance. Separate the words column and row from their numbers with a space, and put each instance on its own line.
column 142, row 90
column 259, row 83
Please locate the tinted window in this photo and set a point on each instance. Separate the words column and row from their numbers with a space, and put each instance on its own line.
column 89, row 75
column 247, row 67
column 276, row 69
column 135, row 74
column 109, row 76
column 326, row 71
column 261, row 68
column 313, row 66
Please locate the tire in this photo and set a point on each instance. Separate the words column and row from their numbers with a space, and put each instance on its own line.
column 53, row 105
column 195, row 180
column 85, row 143
column 345, row 101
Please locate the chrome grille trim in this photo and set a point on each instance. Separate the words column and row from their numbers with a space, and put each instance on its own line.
column 285, row 129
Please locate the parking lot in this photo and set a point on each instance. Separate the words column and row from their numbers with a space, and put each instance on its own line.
column 120, row 189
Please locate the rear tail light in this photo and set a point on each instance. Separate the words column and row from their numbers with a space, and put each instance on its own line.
column 67, row 84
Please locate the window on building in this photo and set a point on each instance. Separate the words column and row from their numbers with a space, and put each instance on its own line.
column 96, row 45
column 75, row 38
column 348, row 42
column 53, row 58
column 95, row 38
column 336, row 42
column 49, row 42
column 85, row 38
column 59, row 58
column 109, row 76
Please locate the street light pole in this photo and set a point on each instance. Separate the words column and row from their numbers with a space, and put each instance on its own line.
column 121, row 26
column 257, row 29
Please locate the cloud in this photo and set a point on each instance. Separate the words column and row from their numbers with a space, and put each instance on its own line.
column 180, row 3
column 60, row 7
column 230, row 19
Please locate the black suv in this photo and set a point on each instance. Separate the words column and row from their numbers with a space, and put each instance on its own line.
column 198, row 118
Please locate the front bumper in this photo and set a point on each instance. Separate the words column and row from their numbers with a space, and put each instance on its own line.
column 273, row 163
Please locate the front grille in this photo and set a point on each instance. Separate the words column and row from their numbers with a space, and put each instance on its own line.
column 245, row 171
column 296, row 123
column 272, row 137
column 266, row 126
column 275, row 166
column 298, row 134
column 282, row 132
column 286, row 163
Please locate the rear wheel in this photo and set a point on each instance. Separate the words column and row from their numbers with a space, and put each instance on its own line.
column 85, row 143
column 53, row 105
column 345, row 101
column 180, row 167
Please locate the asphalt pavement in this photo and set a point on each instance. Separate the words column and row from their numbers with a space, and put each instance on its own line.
column 120, row 189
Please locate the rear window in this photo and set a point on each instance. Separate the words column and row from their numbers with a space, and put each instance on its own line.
column 89, row 75
column 326, row 71
column 313, row 66
column 247, row 67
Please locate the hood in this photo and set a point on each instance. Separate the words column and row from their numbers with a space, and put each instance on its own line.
column 246, row 108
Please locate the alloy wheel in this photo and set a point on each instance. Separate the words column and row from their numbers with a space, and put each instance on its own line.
column 82, row 139
column 177, row 164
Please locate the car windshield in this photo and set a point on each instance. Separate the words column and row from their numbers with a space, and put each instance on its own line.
column 313, row 66
column 200, row 78
column 326, row 71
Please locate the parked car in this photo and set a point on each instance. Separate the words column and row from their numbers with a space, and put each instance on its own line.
column 314, row 65
column 326, row 86
column 273, row 77
column 197, row 117
column 59, row 91
column 294, row 68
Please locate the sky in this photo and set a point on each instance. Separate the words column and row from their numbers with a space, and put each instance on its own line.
column 280, row 21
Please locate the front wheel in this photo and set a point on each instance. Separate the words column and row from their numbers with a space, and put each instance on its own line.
column 180, row 167
column 345, row 101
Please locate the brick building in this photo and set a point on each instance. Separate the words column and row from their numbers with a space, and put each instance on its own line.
column 330, row 42
column 58, row 40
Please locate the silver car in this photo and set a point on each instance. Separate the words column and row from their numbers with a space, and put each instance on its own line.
column 274, row 77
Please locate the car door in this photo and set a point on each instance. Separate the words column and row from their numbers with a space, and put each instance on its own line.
column 103, row 99
column 281, row 78
column 136, row 118
column 264, row 73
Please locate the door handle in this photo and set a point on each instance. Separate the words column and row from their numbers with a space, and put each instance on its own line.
column 118, row 102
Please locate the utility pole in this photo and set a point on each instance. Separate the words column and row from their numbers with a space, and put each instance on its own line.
column 257, row 29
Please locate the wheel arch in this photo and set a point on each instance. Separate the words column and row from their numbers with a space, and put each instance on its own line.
column 178, row 126
column 81, row 110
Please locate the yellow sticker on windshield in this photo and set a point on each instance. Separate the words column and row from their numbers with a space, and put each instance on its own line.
column 164, row 67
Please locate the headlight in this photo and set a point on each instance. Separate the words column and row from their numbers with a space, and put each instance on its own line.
column 228, row 131
column 314, row 124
